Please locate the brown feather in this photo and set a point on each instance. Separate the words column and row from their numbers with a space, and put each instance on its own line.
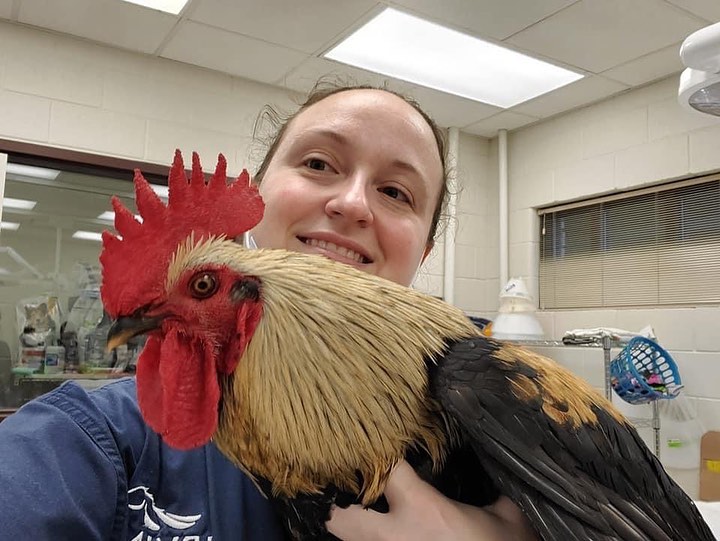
column 567, row 399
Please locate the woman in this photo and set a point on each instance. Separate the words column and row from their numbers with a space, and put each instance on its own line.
column 356, row 175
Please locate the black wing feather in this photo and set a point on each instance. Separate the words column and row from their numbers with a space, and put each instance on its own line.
column 596, row 482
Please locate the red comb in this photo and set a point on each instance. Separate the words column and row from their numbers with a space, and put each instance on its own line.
column 135, row 263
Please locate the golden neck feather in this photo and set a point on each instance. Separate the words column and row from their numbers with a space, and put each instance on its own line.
column 327, row 387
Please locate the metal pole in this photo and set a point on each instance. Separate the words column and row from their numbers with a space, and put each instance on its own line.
column 656, row 426
column 607, row 344
column 449, row 259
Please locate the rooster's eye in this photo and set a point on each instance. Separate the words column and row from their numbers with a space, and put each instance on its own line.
column 203, row 285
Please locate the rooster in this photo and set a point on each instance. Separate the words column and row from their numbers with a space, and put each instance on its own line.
column 317, row 379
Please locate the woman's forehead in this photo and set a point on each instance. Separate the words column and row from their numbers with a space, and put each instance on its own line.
column 345, row 115
column 370, row 104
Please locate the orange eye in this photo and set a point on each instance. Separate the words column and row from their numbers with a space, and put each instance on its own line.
column 203, row 285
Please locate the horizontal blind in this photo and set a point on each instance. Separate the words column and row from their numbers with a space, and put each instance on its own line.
column 653, row 248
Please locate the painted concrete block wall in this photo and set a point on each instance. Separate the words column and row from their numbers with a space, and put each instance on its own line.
column 475, row 232
column 476, row 237
column 69, row 93
column 635, row 139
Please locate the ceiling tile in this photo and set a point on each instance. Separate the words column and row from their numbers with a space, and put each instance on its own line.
column 304, row 77
column 506, row 120
column 650, row 67
column 305, row 26
column 707, row 9
column 448, row 110
column 230, row 53
column 495, row 19
column 582, row 92
column 596, row 36
column 108, row 21
column 6, row 8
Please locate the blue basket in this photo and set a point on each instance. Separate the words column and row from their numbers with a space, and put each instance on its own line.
column 643, row 372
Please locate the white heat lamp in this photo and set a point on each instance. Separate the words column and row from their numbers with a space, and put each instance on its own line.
column 516, row 315
column 699, row 88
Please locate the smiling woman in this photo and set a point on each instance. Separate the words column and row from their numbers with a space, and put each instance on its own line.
column 356, row 175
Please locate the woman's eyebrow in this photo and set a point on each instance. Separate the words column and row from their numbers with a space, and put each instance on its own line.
column 406, row 166
column 323, row 133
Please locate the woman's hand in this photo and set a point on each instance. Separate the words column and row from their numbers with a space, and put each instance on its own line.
column 418, row 512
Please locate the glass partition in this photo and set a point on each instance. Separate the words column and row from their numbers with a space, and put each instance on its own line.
column 52, row 326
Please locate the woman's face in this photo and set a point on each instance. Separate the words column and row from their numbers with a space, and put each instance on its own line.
column 356, row 178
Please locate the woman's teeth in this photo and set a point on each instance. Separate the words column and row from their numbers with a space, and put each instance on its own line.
column 340, row 250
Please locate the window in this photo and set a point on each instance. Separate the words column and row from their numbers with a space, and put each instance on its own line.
column 657, row 246
column 53, row 212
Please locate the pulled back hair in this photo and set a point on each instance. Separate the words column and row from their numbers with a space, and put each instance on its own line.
column 324, row 89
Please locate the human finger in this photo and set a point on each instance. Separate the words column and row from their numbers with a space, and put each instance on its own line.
column 354, row 523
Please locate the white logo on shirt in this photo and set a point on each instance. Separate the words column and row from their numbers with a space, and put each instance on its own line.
column 154, row 515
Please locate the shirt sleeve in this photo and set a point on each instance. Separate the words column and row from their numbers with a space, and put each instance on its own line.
column 61, row 475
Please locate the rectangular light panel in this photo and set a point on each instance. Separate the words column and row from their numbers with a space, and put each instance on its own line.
column 109, row 216
column 415, row 50
column 168, row 6
column 87, row 235
column 17, row 169
column 19, row 204
column 9, row 226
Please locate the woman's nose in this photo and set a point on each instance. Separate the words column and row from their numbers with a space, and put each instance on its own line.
column 350, row 201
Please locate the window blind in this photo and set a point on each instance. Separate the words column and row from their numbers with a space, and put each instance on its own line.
column 657, row 246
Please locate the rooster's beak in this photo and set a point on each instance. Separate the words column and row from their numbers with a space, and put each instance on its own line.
column 125, row 327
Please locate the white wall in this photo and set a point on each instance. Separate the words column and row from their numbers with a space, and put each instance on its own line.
column 70, row 93
column 476, row 233
column 634, row 139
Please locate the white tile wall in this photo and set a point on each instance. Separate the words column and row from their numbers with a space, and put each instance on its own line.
column 704, row 156
column 610, row 131
column 650, row 162
column 470, row 294
column 705, row 327
column 532, row 189
column 524, row 226
column 98, row 130
column 164, row 137
column 74, row 94
column 575, row 180
column 24, row 117
column 666, row 118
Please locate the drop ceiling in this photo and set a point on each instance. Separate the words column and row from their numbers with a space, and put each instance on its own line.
column 616, row 44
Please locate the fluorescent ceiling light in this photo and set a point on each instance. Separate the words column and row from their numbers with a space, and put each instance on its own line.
column 87, row 235
column 10, row 226
column 161, row 190
column 20, row 204
column 169, row 6
column 412, row 49
column 109, row 216
column 32, row 171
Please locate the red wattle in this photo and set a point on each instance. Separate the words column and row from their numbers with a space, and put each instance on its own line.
column 178, row 389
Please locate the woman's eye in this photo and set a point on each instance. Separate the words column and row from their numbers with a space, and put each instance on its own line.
column 317, row 164
column 203, row 285
column 395, row 193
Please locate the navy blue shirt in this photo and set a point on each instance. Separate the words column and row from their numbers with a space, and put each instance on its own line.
column 84, row 466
